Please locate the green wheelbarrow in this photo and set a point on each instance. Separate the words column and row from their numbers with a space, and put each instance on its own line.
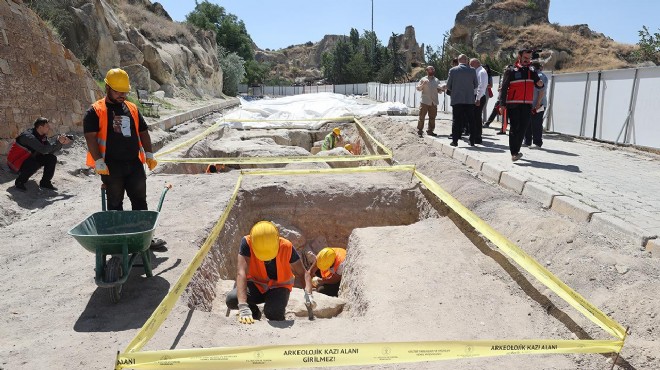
column 122, row 235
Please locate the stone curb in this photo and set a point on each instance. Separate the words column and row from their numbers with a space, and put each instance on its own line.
column 513, row 181
column 607, row 221
column 178, row 119
column 492, row 172
column 573, row 208
column 540, row 193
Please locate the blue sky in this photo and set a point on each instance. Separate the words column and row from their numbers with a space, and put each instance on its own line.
column 278, row 24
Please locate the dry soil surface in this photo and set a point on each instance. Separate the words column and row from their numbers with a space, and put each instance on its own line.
column 429, row 277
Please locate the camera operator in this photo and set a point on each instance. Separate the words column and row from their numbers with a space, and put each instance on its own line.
column 31, row 150
column 517, row 96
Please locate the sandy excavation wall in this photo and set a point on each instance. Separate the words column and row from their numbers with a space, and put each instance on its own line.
column 43, row 77
column 312, row 215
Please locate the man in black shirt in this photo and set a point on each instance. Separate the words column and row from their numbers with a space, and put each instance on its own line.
column 31, row 151
column 119, row 144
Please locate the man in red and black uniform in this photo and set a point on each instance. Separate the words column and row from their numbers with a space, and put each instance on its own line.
column 517, row 97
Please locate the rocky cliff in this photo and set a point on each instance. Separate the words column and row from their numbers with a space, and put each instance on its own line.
column 44, row 73
column 501, row 27
column 140, row 37
column 38, row 76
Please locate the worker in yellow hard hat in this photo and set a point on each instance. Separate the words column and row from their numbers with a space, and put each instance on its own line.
column 118, row 143
column 349, row 148
column 266, row 270
column 331, row 139
column 327, row 270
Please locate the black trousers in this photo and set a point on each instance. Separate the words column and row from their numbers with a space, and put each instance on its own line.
column 275, row 301
column 33, row 163
column 519, row 118
column 462, row 117
column 475, row 128
column 128, row 177
column 534, row 132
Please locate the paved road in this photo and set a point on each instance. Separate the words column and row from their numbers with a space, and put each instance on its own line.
column 596, row 182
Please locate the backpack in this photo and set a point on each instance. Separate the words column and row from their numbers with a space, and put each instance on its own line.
column 17, row 155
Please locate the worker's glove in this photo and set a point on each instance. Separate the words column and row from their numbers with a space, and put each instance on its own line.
column 245, row 314
column 100, row 167
column 151, row 162
column 316, row 281
column 309, row 300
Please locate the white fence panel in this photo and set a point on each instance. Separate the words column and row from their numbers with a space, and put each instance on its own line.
column 614, row 102
column 645, row 120
column 568, row 99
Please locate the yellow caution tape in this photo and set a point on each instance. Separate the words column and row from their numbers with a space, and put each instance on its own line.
column 526, row 261
column 321, row 355
column 378, row 143
column 351, row 354
column 366, row 169
column 330, row 119
column 188, row 142
column 274, row 160
column 165, row 307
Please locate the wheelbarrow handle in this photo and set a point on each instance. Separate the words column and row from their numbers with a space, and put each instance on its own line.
column 162, row 196
column 160, row 203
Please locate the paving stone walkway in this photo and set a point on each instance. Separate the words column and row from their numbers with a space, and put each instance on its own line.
column 615, row 186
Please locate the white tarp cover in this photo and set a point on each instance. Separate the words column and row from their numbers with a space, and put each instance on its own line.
column 291, row 111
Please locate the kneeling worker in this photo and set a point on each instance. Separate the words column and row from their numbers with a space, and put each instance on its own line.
column 328, row 269
column 32, row 150
column 331, row 139
column 265, row 274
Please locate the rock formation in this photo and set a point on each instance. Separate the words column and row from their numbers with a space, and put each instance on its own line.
column 135, row 36
column 38, row 76
column 499, row 28
column 407, row 44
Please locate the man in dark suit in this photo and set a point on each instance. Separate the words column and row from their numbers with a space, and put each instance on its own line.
column 462, row 82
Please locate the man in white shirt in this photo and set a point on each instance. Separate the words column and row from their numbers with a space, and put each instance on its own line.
column 480, row 100
column 430, row 88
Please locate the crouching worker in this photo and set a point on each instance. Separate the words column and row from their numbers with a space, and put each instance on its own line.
column 328, row 270
column 266, row 269
column 31, row 150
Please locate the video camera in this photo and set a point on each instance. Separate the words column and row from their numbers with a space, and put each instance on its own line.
column 535, row 54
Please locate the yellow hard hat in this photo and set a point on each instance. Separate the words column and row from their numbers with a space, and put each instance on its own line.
column 117, row 79
column 265, row 240
column 325, row 259
column 348, row 147
column 336, row 131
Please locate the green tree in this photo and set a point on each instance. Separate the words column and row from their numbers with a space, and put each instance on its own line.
column 398, row 61
column 233, row 69
column 358, row 69
column 649, row 46
column 255, row 72
column 230, row 31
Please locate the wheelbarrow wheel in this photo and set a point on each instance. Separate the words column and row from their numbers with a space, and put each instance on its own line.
column 113, row 273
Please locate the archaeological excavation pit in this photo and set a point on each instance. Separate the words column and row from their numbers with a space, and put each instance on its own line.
column 270, row 143
column 313, row 213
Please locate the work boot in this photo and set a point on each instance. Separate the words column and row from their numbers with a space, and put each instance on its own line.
column 501, row 133
column 47, row 185
column 487, row 124
column 420, row 134
column 20, row 186
column 431, row 133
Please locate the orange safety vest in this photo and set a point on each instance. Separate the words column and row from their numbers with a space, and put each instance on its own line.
column 257, row 269
column 340, row 256
column 521, row 91
column 102, row 135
